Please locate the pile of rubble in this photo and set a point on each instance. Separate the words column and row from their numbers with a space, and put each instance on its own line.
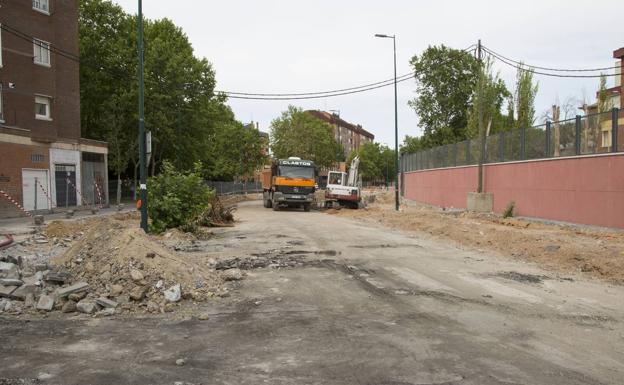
column 113, row 268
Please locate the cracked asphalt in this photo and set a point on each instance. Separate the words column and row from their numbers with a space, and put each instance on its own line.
column 363, row 305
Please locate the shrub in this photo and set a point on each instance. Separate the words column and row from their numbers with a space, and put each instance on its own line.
column 175, row 198
column 508, row 213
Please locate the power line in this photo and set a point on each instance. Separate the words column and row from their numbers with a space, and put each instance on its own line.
column 390, row 81
column 325, row 94
column 494, row 53
column 530, row 69
column 315, row 96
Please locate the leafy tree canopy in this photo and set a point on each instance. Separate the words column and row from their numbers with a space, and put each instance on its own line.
column 445, row 82
column 298, row 133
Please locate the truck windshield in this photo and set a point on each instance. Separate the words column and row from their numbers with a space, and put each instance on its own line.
column 296, row 172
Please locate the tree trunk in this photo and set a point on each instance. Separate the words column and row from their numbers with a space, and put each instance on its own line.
column 134, row 189
column 555, row 112
column 118, row 189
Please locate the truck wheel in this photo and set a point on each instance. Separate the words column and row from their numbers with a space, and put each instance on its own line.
column 306, row 207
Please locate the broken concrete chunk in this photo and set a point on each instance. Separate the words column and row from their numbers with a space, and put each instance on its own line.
column 232, row 274
column 174, row 293
column 69, row 307
column 106, row 312
column 116, row 290
column 138, row 293
column 26, row 289
column 57, row 276
column 136, row 275
column 86, row 306
column 11, row 282
column 7, row 291
column 46, row 302
column 9, row 270
column 106, row 303
column 75, row 288
column 29, row 300
column 77, row 296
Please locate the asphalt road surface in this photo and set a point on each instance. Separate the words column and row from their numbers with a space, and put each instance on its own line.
column 364, row 305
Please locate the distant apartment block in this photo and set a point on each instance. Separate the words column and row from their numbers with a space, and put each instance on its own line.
column 350, row 136
column 44, row 162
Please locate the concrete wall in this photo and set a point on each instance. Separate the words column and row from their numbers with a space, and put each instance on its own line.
column 587, row 190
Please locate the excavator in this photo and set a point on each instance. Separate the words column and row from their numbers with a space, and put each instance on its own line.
column 342, row 188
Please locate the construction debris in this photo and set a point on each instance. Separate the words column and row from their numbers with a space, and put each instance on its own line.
column 102, row 266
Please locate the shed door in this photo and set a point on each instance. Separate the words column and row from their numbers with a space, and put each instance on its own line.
column 65, row 182
column 32, row 191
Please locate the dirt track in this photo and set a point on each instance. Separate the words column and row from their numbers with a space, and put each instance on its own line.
column 344, row 302
column 590, row 252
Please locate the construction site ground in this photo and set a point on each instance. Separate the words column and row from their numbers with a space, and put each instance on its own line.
column 353, row 297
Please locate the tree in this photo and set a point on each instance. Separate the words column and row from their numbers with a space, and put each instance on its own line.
column 411, row 144
column 376, row 162
column 107, row 88
column 187, row 120
column 524, row 98
column 488, row 99
column 298, row 133
column 445, row 82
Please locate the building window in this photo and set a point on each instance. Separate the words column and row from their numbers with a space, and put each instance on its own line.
column 42, row 6
column 42, row 108
column 37, row 158
column 41, row 52
column 606, row 138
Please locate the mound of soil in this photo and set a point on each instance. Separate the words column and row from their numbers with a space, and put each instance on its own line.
column 125, row 264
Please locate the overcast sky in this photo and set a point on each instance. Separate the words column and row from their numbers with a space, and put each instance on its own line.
column 302, row 46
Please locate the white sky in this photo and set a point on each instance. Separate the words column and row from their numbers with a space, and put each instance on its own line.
column 295, row 46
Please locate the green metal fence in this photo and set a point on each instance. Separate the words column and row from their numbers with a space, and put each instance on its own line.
column 582, row 135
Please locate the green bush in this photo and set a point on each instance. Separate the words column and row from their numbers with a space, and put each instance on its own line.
column 509, row 210
column 176, row 198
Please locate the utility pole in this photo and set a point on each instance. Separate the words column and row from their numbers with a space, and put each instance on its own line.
column 481, row 128
column 142, row 139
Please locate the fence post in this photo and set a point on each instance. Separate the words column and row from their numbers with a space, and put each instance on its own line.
column 547, row 143
column 36, row 182
column 577, row 135
column 501, row 146
column 523, row 143
column 615, row 115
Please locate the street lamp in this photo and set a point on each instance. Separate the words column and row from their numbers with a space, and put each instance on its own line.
column 396, row 125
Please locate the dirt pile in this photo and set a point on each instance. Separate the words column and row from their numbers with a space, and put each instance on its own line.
column 103, row 265
column 127, row 265
column 564, row 248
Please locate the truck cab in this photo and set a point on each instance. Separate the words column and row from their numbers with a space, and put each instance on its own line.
column 289, row 182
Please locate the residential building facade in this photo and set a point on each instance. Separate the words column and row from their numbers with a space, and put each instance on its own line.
column 44, row 162
column 350, row 136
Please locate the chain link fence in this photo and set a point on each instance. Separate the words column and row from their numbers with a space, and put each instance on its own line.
column 582, row 135
column 228, row 188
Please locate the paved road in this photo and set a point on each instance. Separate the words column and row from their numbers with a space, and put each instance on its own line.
column 367, row 305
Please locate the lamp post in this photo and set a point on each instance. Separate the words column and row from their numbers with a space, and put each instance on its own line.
column 142, row 136
column 396, row 126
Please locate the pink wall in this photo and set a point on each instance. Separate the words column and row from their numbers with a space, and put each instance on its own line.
column 588, row 190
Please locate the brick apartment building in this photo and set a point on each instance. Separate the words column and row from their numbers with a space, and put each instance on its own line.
column 351, row 136
column 43, row 160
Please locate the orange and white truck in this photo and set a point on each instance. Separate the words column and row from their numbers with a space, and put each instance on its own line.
column 289, row 183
